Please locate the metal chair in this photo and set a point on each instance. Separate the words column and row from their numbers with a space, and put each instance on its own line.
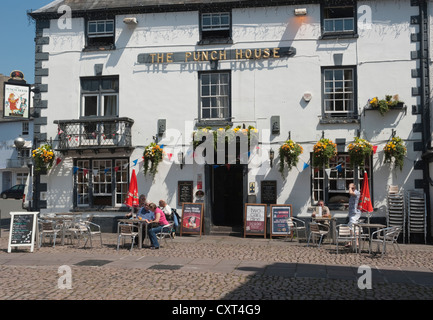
column 344, row 233
column 384, row 236
column 166, row 232
column 126, row 230
column 94, row 229
column 48, row 228
column 296, row 225
column 317, row 230
column 77, row 229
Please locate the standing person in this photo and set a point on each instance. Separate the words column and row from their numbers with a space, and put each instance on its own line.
column 161, row 220
column 354, row 212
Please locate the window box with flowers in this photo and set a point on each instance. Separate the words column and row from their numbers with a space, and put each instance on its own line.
column 384, row 105
column 152, row 156
column 323, row 150
column 359, row 150
column 43, row 157
column 396, row 150
column 289, row 154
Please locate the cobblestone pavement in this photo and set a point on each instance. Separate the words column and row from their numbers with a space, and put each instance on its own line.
column 213, row 268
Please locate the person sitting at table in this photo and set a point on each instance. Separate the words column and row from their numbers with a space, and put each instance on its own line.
column 325, row 210
column 166, row 209
column 135, row 210
column 161, row 220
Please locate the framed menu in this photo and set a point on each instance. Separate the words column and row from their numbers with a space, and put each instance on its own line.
column 22, row 230
column 279, row 215
column 184, row 192
column 268, row 191
column 192, row 218
column 255, row 219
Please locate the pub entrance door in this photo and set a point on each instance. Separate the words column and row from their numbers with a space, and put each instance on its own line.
column 228, row 194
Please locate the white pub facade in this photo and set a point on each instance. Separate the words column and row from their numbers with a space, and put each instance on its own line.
column 116, row 76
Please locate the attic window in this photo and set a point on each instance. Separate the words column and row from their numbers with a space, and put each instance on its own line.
column 100, row 33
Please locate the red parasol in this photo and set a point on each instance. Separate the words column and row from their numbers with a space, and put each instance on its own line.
column 365, row 204
column 132, row 198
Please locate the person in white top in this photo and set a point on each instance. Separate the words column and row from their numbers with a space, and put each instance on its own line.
column 166, row 209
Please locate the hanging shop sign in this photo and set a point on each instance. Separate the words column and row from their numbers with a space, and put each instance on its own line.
column 217, row 55
column 16, row 102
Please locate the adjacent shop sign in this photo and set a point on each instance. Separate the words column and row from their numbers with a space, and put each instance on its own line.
column 255, row 219
column 192, row 218
column 216, row 55
column 22, row 230
column 184, row 192
column 279, row 215
column 16, row 102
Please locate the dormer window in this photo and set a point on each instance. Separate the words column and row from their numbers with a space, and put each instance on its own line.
column 215, row 27
column 338, row 20
column 100, row 34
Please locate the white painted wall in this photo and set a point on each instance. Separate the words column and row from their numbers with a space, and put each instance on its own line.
column 260, row 89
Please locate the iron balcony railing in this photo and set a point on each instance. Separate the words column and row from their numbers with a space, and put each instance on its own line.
column 94, row 133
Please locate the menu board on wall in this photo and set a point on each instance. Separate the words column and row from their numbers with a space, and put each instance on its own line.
column 279, row 215
column 192, row 218
column 22, row 230
column 255, row 219
column 184, row 192
column 268, row 191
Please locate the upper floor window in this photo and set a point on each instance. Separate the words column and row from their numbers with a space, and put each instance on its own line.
column 100, row 33
column 25, row 128
column 215, row 96
column 215, row 27
column 338, row 20
column 339, row 92
column 99, row 96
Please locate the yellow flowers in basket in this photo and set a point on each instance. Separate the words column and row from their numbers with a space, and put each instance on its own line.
column 43, row 157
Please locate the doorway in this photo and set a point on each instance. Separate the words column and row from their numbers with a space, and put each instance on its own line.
column 228, row 194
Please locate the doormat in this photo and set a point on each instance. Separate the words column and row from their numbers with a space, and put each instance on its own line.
column 165, row 267
column 93, row 263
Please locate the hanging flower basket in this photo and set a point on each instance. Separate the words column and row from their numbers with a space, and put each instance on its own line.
column 289, row 154
column 43, row 157
column 227, row 135
column 323, row 150
column 359, row 150
column 152, row 156
column 385, row 104
column 395, row 149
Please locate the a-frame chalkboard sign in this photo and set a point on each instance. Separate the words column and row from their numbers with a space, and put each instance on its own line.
column 22, row 230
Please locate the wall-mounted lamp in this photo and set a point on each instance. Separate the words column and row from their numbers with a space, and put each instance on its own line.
column 181, row 159
column 307, row 96
column 271, row 156
column 301, row 12
column 130, row 21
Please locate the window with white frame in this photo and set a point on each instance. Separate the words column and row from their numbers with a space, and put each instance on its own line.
column 100, row 33
column 339, row 92
column 333, row 188
column 21, row 178
column 25, row 128
column 215, row 26
column 215, row 96
column 338, row 19
column 101, row 182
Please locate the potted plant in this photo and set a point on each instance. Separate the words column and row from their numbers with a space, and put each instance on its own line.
column 152, row 156
column 289, row 153
column 43, row 157
column 384, row 105
column 323, row 150
column 395, row 149
column 358, row 151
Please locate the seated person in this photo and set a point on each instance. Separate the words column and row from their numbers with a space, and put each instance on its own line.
column 145, row 212
column 166, row 209
column 325, row 210
column 141, row 201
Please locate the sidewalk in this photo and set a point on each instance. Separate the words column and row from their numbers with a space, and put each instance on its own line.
column 214, row 267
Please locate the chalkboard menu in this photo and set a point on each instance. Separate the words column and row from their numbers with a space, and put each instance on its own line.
column 192, row 218
column 268, row 191
column 184, row 192
column 22, row 229
column 255, row 219
column 279, row 215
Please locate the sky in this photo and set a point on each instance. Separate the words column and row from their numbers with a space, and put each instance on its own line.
column 17, row 49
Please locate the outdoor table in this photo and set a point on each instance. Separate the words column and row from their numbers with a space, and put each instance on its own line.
column 331, row 223
column 369, row 226
column 140, row 222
